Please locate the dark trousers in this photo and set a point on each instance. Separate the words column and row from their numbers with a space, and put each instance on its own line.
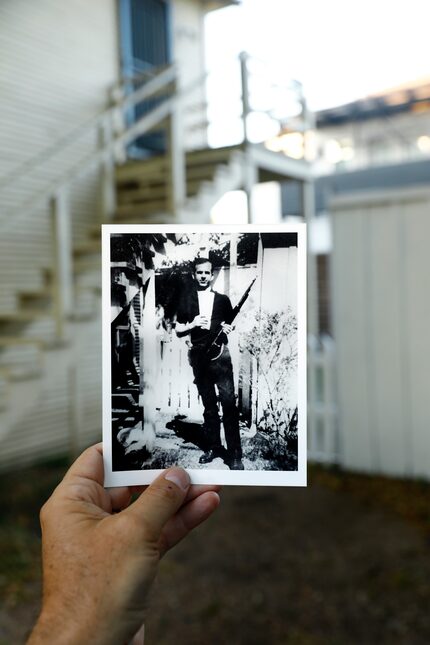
column 219, row 373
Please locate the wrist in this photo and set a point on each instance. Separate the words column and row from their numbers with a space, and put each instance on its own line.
column 50, row 627
column 54, row 627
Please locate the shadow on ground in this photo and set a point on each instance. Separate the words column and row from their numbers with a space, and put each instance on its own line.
column 344, row 561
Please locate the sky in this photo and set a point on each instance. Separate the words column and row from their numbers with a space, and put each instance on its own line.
column 339, row 49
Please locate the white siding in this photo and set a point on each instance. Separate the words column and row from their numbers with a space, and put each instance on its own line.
column 62, row 408
column 57, row 62
column 381, row 302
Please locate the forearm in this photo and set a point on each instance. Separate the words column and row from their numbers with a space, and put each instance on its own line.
column 183, row 329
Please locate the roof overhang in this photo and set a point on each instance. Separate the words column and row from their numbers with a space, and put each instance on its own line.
column 211, row 5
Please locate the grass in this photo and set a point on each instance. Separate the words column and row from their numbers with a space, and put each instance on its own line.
column 409, row 499
column 22, row 493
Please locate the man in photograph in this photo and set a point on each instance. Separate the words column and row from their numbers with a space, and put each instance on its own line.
column 204, row 315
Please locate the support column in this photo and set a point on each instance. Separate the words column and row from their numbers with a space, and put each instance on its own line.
column 107, row 194
column 177, row 184
column 312, row 287
column 250, row 179
column 62, row 278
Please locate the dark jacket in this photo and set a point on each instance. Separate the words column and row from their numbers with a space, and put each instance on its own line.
column 188, row 309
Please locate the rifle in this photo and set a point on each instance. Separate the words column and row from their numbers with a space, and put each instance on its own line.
column 215, row 346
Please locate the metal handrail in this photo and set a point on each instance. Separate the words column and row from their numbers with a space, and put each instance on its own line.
column 95, row 157
column 158, row 78
column 60, row 145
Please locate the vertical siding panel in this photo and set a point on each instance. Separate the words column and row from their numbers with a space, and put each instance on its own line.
column 385, row 369
column 350, row 302
column 416, row 340
column 381, row 312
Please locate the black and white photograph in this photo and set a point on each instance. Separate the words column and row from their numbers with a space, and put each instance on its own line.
column 205, row 353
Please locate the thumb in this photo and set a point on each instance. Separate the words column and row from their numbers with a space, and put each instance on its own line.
column 161, row 500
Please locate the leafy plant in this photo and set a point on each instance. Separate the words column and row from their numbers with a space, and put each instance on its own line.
column 272, row 342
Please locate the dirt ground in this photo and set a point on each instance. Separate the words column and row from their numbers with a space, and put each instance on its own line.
column 346, row 560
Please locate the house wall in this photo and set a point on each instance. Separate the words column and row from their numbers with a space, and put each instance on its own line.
column 57, row 61
column 381, row 309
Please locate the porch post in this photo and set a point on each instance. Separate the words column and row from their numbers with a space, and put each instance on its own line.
column 62, row 279
column 177, row 157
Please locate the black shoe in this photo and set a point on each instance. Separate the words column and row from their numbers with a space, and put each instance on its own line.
column 236, row 464
column 208, row 456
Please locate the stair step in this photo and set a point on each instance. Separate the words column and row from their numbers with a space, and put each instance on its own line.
column 95, row 231
column 10, row 341
column 91, row 247
column 136, row 210
column 84, row 264
column 23, row 315
column 22, row 360
column 141, row 194
column 31, row 300
column 202, row 171
column 161, row 217
column 41, row 329
column 4, row 389
column 135, row 170
column 209, row 155
column 193, row 186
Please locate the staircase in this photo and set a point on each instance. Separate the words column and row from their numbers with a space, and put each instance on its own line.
column 38, row 417
column 50, row 351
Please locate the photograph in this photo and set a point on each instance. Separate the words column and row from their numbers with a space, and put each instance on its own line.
column 204, row 353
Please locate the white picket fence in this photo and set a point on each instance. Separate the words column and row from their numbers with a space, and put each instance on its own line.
column 176, row 390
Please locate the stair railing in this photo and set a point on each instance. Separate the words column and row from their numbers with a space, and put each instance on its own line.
column 113, row 137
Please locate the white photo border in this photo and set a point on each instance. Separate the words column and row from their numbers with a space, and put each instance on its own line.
column 208, row 476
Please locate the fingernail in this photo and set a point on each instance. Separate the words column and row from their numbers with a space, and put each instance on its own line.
column 179, row 477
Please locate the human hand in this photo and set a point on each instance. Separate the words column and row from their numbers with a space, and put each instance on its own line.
column 201, row 321
column 227, row 329
column 100, row 554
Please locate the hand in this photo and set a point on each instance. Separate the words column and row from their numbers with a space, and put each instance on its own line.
column 227, row 329
column 100, row 554
column 201, row 321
